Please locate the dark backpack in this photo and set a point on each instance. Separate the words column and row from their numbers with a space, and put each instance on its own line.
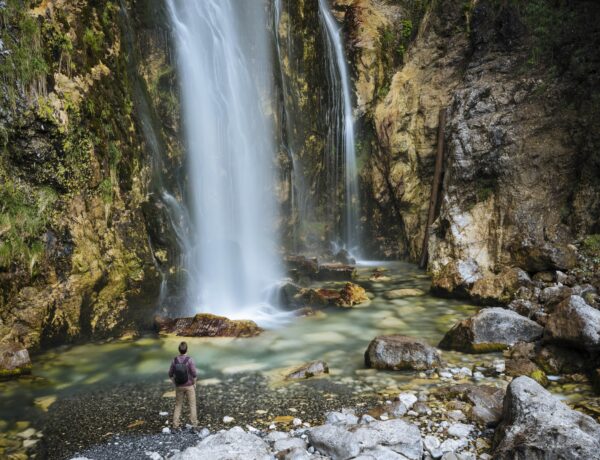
column 181, row 371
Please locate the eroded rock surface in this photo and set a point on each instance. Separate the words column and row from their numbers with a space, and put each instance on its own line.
column 14, row 360
column 575, row 323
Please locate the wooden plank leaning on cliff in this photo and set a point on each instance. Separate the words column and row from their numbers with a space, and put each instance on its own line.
column 436, row 185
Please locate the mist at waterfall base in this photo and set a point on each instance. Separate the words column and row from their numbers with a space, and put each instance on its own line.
column 225, row 70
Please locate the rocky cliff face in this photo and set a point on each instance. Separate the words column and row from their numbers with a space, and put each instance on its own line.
column 519, row 87
column 74, row 172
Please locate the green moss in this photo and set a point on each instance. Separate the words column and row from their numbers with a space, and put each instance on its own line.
column 487, row 347
column 591, row 244
column 93, row 39
column 24, row 216
column 23, row 66
column 106, row 191
column 540, row 377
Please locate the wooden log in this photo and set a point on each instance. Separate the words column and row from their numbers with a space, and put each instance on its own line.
column 435, row 186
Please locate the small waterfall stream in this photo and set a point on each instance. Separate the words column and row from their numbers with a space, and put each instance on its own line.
column 225, row 69
column 341, row 148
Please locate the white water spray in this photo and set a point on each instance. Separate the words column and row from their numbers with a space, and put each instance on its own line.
column 225, row 74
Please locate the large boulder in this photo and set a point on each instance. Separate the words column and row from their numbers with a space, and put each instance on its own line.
column 536, row 425
column 492, row 329
column 341, row 442
column 399, row 352
column 235, row 444
column 207, row 325
column 14, row 360
column 574, row 323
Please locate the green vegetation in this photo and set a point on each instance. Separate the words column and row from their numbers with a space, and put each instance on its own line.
column 93, row 39
column 23, row 64
column 24, row 216
column 591, row 245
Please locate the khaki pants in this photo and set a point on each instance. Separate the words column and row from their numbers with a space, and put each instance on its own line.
column 180, row 392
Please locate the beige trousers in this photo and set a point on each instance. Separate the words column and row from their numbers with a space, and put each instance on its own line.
column 190, row 393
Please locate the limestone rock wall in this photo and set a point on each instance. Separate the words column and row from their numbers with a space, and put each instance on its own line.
column 522, row 179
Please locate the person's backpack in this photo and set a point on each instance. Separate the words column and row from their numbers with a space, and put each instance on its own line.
column 181, row 371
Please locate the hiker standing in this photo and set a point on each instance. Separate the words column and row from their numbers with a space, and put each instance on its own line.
column 183, row 374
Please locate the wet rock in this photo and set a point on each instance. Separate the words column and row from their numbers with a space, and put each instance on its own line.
column 234, row 444
column 351, row 294
column 537, row 425
column 308, row 370
column 400, row 293
column 575, row 323
column 302, row 267
column 336, row 272
column 492, row 329
column 344, row 257
column 288, row 295
column 207, row 325
column 14, row 360
column 399, row 352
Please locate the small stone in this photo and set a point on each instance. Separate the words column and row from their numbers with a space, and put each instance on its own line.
column 456, row 415
column 296, row 422
column 451, row 445
column 163, row 414
column 166, row 430
column 460, row 430
column 228, row 419
column 30, row 443
column 28, row 433
column 408, row 399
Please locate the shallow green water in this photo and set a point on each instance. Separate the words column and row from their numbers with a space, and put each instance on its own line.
column 339, row 337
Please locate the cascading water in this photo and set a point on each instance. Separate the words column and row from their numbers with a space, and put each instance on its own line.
column 225, row 73
column 341, row 140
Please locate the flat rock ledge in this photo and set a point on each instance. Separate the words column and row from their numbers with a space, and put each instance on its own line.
column 536, row 425
column 492, row 329
column 207, row 325
column 400, row 352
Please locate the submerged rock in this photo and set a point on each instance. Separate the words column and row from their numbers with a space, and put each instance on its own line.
column 309, row 370
column 491, row 329
column 302, row 267
column 14, row 360
column 399, row 352
column 574, row 323
column 536, row 425
column 207, row 325
column 399, row 293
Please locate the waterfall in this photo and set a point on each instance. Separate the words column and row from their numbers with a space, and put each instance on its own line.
column 341, row 140
column 225, row 72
